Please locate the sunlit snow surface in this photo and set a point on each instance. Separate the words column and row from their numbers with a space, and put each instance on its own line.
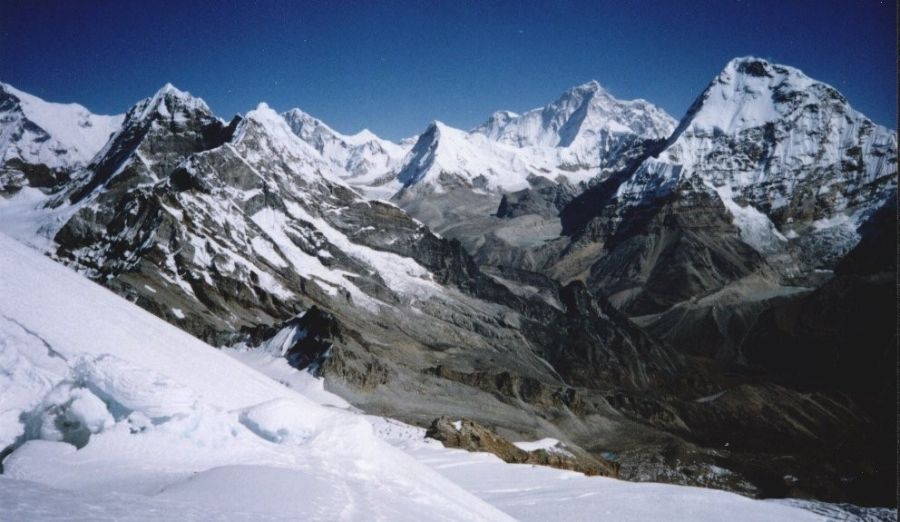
column 189, row 421
column 170, row 428
column 58, row 135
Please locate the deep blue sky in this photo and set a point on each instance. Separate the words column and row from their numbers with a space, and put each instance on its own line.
column 395, row 66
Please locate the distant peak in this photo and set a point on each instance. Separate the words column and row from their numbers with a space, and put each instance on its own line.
column 591, row 87
column 300, row 114
column 363, row 136
column 504, row 114
column 755, row 67
column 298, row 117
column 751, row 66
column 170, row 90
column 263, row 113
column 502, row 117
column 496, row 122
column 432, row 132
column 266, row 120
column 166, row 100
column 582, row 93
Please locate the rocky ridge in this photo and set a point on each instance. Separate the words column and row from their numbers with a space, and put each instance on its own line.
column 244, row 232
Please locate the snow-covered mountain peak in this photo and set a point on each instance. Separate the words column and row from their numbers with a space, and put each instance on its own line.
column 316, row 132
column 267, row 142
column 362, row 157
column 59, row 135
column 587, row 89
column 579, row 118
column 496, row 120
column 750, row 92
column 438, row 128
column 266, row 124
column 168, row 88
column 171, row 103
column 263, row 112
column 363, row 136
column 157, row 133
column 585, row 133
column 305, row 125
column 789, row 148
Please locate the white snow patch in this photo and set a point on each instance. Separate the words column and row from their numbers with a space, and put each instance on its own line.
column 756, row 229
column 548, row 444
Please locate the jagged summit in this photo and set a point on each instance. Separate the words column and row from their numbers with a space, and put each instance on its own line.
column 265, row 133
column 584, row 134
column 360, row 157
column 759, row 122
column 592, row 85
column 168, row 88
column 309, row 128
column 304, row 123
column 169, row 102
column 751, row 91
column 583, row 113
column 590, row 88
column 155, row 133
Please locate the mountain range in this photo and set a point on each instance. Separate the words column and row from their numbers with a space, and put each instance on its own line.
column 701, row 302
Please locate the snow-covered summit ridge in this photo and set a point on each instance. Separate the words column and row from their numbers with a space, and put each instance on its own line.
column 362, row 157
column 264, row 134
column 59, row 135
column 585, row 133
column 580, row 114
column 308, row 128
column 759, row 121
column 751, row 91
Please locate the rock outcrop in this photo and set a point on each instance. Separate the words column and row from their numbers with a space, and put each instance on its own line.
column 471, row 436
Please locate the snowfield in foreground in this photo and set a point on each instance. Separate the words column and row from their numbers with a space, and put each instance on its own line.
column 115, row 415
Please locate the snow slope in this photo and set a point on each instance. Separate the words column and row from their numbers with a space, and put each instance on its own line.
column 54, row 134
column 160, row 414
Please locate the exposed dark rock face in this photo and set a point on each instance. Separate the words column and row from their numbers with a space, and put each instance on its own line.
column 16, row 174
column 160, row 131
column 545, row 198
column 678, row 247
column 842, row 338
